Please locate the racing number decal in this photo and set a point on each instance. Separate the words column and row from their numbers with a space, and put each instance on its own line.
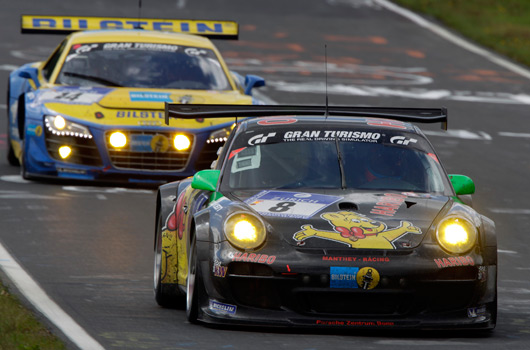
column 290, row 204
column 69, row 96
column 281, row 207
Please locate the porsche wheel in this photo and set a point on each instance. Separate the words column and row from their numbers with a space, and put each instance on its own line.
column 166, row 295
column 193, row 284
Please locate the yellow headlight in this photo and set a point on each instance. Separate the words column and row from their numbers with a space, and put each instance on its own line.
column 456, row 235
column 118, row 139
column 245, row 231
column 181, row 142
column 65, row 151
column 59, row 122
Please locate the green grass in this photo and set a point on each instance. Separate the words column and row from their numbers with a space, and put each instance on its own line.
column 20, row 330
column 502, row 25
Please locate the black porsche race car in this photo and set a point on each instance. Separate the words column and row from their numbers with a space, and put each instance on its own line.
column 325, row 217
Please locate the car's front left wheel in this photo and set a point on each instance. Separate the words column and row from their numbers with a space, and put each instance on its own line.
column 166, row 295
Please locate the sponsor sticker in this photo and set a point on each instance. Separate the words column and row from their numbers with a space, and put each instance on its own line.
column 222, row 309
column 252, row 257
column 368, row 278
column 388, row 204
column 455, row 261
column 343, row 277
column 146, row 96
column 474, row 312
column 290, row 204
column 219, row 270
column 32, row 130
column 402, row 140
column 331, row 135
column 260, row 138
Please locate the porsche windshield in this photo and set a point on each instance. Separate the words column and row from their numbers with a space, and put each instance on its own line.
column 143, row 65
column 333, row 164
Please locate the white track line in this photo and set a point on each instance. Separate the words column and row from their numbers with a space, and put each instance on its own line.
column 38, row 297
column 444, row 33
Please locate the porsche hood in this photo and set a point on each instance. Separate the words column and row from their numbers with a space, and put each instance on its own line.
column 385, row 220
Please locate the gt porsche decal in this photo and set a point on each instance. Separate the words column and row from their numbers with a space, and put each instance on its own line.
column 290, row 204
column 357, row 231
column 261, row 138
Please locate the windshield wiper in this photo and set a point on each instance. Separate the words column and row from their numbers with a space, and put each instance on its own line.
column 92, row 78
column 341, row 166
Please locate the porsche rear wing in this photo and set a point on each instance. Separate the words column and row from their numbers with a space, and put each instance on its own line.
column 69, row 24
column 415, row 115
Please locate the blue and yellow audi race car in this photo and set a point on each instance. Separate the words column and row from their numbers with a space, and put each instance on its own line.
column 94, row 109
column 326, row 217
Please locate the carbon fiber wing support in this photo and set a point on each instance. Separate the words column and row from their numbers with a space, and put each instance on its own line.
column 414, row 115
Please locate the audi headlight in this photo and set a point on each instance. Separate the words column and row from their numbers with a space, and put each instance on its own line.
column 118, row 139
column 221, row 135
column 60, row 126
column 456, row 235
column 245, row 231
column 181, row 142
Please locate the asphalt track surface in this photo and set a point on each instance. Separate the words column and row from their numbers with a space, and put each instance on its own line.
column 90, row 248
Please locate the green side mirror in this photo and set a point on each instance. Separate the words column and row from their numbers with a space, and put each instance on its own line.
column 462, row 184
column 206, row 180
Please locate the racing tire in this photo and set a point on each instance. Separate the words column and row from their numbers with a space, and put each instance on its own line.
column 10, row 154
column 23, row 171
column 11, row 158
column 166, row 295
column 193, row 284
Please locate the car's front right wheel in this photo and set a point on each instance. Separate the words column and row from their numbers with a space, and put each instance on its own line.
column 193, row 284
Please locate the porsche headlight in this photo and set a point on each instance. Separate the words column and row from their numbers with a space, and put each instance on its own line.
column 456, row 235
column 245, row 231
column 58, row 125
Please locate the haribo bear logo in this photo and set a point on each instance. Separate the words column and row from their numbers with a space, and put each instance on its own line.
column 357, row 231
